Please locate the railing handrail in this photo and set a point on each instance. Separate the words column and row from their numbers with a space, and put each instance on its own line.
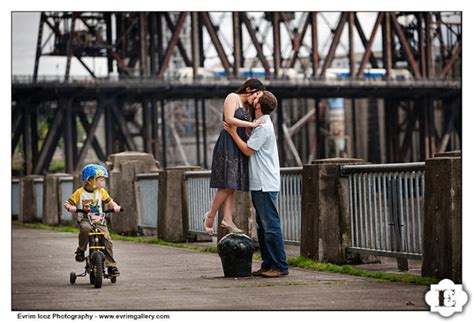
column 380, row 168
column 196, row 173
column 66, row 178
column 204, row 173
column 147, row 176
column 290, row 170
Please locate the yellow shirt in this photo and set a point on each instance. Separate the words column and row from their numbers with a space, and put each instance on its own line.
column 90, row 201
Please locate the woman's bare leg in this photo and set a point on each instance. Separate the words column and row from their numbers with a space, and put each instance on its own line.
column 228, row 208
column 221, row 196
column 227, row 219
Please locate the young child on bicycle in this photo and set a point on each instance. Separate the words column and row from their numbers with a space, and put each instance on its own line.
column 89, row 197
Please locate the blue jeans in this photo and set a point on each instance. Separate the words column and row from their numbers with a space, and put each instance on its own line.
column 270, row 237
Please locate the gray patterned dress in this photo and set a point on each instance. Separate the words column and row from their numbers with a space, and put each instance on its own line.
column 229, row 164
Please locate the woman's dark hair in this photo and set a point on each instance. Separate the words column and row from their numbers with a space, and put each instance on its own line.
column 250, row 86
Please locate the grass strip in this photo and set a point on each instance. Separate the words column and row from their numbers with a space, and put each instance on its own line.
column 300, row 262
column 306, row 263
column 115, row 236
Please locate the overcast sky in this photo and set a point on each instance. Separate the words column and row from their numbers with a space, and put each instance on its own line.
column 24, row 36
column 25, row 32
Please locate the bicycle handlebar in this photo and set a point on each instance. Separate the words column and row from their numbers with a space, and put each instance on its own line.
column 106, row 211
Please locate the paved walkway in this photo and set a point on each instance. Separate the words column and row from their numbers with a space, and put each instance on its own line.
column 165, row 278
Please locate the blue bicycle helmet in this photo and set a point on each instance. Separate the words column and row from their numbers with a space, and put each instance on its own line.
column 94, row 171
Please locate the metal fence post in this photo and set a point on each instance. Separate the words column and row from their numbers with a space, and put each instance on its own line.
column 396, row 225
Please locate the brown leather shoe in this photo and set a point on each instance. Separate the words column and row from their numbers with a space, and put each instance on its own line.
column 259, row 272
column 273, row 273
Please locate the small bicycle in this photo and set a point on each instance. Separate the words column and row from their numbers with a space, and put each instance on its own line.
column 95, row 260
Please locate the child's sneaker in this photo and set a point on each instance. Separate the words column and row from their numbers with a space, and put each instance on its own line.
column 113, row 271
column 79, row 255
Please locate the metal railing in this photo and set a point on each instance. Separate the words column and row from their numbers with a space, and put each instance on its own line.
column 66, row 188
column 15, row 197
column 386, row 209
column 65, row 191
column 147, row 200
column 200, row 195
column 39, row 193
column 289, row 203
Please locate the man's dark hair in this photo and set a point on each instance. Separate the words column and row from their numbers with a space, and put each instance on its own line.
column 268, row 102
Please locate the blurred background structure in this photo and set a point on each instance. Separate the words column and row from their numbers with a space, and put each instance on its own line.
column 381, row 86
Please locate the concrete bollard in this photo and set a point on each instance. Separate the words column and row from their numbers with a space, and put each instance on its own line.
column 325, row 231
column 235, row 251
column 442, row 230
column 53, row 204
column 172, row 218
column 31, row 198
column 123, row 167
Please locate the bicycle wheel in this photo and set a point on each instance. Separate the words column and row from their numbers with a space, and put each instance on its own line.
column 72, row 278
column 98, row 269
column 91, row 277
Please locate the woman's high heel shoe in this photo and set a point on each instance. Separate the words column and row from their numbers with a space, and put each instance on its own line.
column 231, row 228
column 209, row 230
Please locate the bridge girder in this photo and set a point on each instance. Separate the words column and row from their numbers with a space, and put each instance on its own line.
column 142, row 47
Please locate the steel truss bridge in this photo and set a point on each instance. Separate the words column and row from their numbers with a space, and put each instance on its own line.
column 421, row 114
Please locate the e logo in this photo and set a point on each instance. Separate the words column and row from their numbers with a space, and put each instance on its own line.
column 446, row 298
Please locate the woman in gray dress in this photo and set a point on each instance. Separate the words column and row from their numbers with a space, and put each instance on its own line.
column 229, row 164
